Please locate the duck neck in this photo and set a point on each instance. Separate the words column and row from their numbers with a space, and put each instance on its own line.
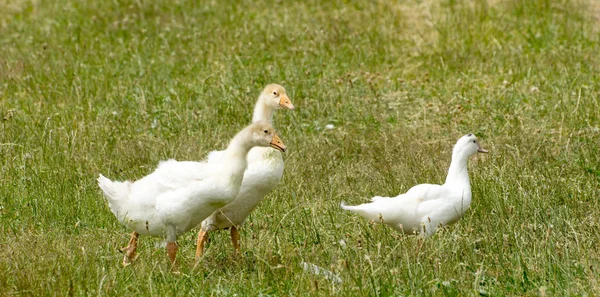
column 262, row 112
column 235, row 154
column 458, row 174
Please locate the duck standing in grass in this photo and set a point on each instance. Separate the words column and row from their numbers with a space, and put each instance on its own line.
column 177, row 196
column 425, row 207
column 265, row 169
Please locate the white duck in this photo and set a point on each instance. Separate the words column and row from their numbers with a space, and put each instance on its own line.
column 425, row 207
column 265, row 169
column 177, row 196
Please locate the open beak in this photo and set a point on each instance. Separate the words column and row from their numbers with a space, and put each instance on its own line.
column 276, row 143
column 482, row 150
column 285, row 102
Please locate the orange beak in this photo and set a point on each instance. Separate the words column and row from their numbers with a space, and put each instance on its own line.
column 277, row 144
column 481, row 150
column 285, row 102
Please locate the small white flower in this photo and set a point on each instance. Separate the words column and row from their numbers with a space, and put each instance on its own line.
column 114, row 113
column 329, row 126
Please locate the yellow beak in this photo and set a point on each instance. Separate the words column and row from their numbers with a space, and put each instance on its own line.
column 276, row 143
column 285, row 102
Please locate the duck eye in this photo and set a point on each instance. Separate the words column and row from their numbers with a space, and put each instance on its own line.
column 275, row 93
column 474, row 141
column 266, row 131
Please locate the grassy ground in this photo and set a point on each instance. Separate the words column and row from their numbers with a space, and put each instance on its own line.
column 116, row 86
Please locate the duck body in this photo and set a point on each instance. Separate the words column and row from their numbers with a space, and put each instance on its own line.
column 179, row 195
column 263, row 174
column 426, row 207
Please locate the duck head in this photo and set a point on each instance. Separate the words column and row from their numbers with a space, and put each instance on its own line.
column 274, row 95
column 263, row 134
column 468, row 145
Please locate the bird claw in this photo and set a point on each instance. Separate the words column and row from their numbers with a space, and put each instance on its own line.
column 127, row 259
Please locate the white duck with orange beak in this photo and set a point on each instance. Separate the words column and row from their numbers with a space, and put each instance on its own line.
column 425, row 207
column 179, row 195
column 265, row 169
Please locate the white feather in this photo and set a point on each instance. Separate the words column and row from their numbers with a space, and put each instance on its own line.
column 423, row 208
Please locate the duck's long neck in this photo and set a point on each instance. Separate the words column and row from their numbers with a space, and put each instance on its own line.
column 262, row 112
column 458, row 174
column 235, row 154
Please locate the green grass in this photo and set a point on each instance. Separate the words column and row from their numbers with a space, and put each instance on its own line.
column 113, row 87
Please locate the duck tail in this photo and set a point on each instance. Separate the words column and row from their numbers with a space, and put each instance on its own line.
column 115, row 192
column 363, row 210
column 347, row 207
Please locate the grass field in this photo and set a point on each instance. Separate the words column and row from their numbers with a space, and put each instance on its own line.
column 113, row 87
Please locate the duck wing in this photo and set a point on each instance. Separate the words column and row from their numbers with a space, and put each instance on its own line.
column 169, row 176
column 405, row 211
column 174, row 174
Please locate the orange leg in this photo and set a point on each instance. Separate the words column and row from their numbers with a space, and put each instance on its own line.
column 202, row 239
column 235, row 240
column 130, row 249
column 172, row 251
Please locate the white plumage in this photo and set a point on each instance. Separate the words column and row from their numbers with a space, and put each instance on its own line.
column 425, row 207
column 177, row 196
column 265, row 170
